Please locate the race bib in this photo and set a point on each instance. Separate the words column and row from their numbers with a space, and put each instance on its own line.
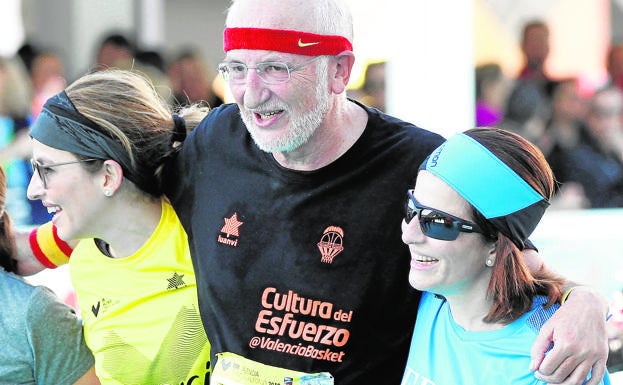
column 232, row 369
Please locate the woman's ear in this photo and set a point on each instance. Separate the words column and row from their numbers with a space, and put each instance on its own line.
column 493, row 248
column 113, row 177
column 490, row 261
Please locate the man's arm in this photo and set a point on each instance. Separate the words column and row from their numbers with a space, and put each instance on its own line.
column 578, row 334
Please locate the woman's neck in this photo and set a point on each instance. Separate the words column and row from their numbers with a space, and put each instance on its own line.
column 133, row 224
column 469, row 313
column 469, row 304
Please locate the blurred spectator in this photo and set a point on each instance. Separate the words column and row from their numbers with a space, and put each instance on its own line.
column 15, row 117
column 152, row 58
column 522, row 117
column 192, row 80
column 15, row 89
column 374, row 85
column 521, row 112
column 27, row 53
column 604, row 120
column 47, row 77
column 535, row 49
column 491, row 92
column 564, row 132
column 590, row 154
column 372, row 90
column 114, row 50
column 614, row 65
column 565, row 125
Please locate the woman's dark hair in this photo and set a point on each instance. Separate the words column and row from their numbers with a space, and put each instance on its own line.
column 513, row 285
column 8, row 249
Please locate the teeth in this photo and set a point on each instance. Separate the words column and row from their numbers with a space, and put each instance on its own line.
column 426, row 259
column 52, row 210
column 267, row 115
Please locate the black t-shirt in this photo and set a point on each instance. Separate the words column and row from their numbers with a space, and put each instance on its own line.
column 302, row 270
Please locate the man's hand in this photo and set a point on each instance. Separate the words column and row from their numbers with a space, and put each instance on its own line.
column 580, row 342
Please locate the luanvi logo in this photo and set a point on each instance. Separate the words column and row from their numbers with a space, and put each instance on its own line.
column 230, row 231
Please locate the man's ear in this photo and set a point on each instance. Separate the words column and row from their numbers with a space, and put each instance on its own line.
column 343, row 62
column 113, row 176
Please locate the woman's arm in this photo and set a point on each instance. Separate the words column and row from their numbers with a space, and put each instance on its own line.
column 89, row 378
column 41, row 248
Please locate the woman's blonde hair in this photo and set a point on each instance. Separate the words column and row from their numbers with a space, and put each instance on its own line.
column 126, row 107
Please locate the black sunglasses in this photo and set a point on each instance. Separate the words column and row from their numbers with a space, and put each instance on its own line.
column 437, row 224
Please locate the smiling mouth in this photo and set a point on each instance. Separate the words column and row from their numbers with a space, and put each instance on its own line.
column 53, row 209
column 267, row 115
column 425, row 260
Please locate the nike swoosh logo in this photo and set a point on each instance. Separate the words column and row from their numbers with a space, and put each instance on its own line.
column 302, row 45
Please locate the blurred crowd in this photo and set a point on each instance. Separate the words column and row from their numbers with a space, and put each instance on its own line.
column 580, row 133
column 34, row 74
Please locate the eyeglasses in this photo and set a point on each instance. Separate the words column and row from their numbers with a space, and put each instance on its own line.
column 437, row 224
column 270, row 72
column 43, row 170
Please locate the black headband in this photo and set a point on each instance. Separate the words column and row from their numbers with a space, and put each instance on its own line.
column 62, row 126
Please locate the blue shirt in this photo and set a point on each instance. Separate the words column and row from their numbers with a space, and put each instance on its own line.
column 443, row 353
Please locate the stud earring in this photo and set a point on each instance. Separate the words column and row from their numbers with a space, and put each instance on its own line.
column 107, row 193
column 489, row 262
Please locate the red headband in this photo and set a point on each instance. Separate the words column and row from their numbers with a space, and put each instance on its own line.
column 281, row 40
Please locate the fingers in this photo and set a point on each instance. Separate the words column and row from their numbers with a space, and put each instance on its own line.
column 565, row 374
column 597, row 372
column 579, row 343
column 558, row 366
column 569, row 372
column 541, row 345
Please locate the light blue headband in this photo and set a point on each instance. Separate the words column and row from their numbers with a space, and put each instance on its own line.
column 488, row 184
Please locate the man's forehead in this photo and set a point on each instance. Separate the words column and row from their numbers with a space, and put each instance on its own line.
column 281, row 14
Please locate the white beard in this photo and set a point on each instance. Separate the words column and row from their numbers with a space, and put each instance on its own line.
column 302, row 127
